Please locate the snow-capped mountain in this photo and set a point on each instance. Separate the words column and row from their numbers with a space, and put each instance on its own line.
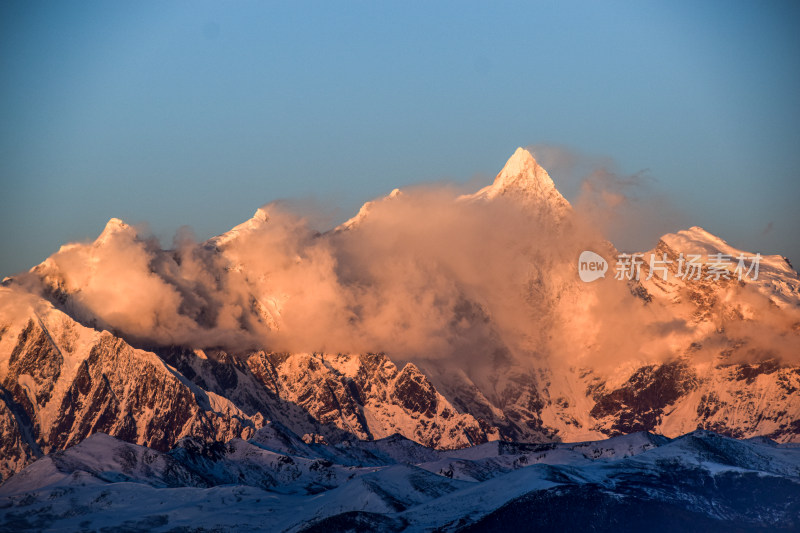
column 452, row 321
column 523, row 179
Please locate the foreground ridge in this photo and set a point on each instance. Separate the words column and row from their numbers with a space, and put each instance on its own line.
column 633, row 481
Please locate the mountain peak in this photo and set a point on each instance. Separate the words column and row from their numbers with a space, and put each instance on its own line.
column 365, row 210
column 524, row 178
column 523, row 171
column 697, row 240
column 261, row 215
column 114, row 226
column 254, row 223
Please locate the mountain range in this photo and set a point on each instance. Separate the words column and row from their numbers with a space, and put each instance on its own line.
column 294, row 367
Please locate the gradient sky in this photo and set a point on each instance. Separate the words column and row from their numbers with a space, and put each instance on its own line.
column 196, row 113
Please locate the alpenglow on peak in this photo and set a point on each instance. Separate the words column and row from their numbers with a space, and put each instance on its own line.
column 524, row 178
column 115, row 226
column 522, row 170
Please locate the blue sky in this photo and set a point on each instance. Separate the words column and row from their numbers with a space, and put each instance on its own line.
column 197, row 113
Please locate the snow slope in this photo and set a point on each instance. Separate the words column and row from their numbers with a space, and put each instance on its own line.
column 698, row 481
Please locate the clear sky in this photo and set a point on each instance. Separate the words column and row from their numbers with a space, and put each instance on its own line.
column 196, row 113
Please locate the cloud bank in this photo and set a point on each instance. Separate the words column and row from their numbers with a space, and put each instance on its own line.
column 426, row 274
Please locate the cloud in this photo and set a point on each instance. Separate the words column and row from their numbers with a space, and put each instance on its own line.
column 423, row 276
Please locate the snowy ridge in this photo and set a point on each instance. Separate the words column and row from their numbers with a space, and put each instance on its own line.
column 365, row 210
column 776, row 279
column 259, row 218
column 239, row 485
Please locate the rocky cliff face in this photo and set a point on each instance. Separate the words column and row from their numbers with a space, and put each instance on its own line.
column 369, row 397
column 63, row 382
